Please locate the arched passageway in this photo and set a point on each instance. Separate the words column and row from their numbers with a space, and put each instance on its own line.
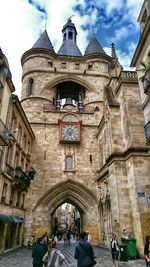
column 71, row 192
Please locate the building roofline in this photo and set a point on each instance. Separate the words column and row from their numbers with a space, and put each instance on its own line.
column 140, row 43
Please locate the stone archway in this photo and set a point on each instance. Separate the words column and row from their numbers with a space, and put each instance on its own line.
column 74, row 193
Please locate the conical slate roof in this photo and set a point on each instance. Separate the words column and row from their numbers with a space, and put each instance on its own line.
column 69, row 48
column 94, row 47
column 43, row 42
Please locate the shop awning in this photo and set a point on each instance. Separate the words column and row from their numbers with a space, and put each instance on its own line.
column 4, row 218
column 16, row 219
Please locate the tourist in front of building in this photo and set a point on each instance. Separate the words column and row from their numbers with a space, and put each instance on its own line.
column 84, row 252
column 65, row 239
column 53, row 257
column 46, row 241
column 68, row 238
column 89, row 238
column 38, row 253
column 115, row 250
column 147, row 251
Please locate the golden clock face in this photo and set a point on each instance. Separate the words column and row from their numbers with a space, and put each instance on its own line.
column 70, row 133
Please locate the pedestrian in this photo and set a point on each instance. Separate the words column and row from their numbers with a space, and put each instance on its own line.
column 53, row 257
column 147, row 251
column 65, row 239
column 89, row 238
column 68, row 237
column 115, row 250
column 38, row 253
column 84, row 252
column 56, row 237
column 45, row 241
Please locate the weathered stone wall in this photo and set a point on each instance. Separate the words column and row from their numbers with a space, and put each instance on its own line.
column 108, row 135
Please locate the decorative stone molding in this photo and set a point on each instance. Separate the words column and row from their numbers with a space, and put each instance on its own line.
column 104, row 191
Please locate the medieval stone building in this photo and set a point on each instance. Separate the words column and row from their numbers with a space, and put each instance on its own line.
column 89, row 148
column 80, row 125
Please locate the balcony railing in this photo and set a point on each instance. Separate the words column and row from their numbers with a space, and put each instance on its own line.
column 52, row 108
column 4, row 134
column 147, row 132
column 20, row 178
column 128, row 74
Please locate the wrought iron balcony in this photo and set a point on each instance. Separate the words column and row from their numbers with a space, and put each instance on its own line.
column 147, row 132
column 20, row 178
column 4, row 134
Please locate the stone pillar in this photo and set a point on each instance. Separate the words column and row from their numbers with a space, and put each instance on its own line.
column 28, row 226
column 91, row 224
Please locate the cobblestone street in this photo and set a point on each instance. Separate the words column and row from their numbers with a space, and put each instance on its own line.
column 22, row 258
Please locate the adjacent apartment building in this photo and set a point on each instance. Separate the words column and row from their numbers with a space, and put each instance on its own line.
column 141, row 60
column 16, row 137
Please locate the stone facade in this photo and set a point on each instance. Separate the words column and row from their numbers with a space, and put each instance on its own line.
column 111, row 162
column 102, row 170
column 16, row 138
column 141, row 60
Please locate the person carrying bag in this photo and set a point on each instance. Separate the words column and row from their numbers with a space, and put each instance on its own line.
column 84, row 252
column 53, row 257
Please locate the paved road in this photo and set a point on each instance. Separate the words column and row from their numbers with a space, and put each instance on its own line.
column 22, row 258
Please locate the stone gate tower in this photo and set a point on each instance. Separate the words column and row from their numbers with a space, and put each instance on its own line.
column 80, row 111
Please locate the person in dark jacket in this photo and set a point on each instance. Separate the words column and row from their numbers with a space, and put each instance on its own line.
column 38, row 253
column 84, row 252
column 147, row 251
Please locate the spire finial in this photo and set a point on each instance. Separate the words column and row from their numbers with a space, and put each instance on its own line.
column 113, row 51
column 69, row 19
column 45, row 22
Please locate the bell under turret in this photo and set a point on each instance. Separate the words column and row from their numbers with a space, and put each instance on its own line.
column 68, row 101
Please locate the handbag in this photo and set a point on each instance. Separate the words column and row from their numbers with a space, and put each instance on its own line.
column 45, row 259
column 93, row 261
column 60, row 260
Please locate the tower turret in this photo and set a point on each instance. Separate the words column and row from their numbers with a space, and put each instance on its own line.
column 69, row 46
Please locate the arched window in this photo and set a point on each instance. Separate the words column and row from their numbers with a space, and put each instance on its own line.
column 70, row 35
column 30, row 88
column 64, row 38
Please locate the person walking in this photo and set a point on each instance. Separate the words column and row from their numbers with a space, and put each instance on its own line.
column 65, row 239
column 84, row 253
column 68, row 238
column 147, row 251
column 89, row 238
column 115, row 250
column 38, row 253
column 53, row 257
column 45, row 241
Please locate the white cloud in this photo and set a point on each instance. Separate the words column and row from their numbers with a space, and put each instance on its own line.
column 109, row 5
column 121, row 33
column 21, row 24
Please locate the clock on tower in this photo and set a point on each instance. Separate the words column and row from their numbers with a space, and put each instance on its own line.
column 69, row 129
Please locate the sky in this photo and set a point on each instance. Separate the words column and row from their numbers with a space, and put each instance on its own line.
column 22, row 22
